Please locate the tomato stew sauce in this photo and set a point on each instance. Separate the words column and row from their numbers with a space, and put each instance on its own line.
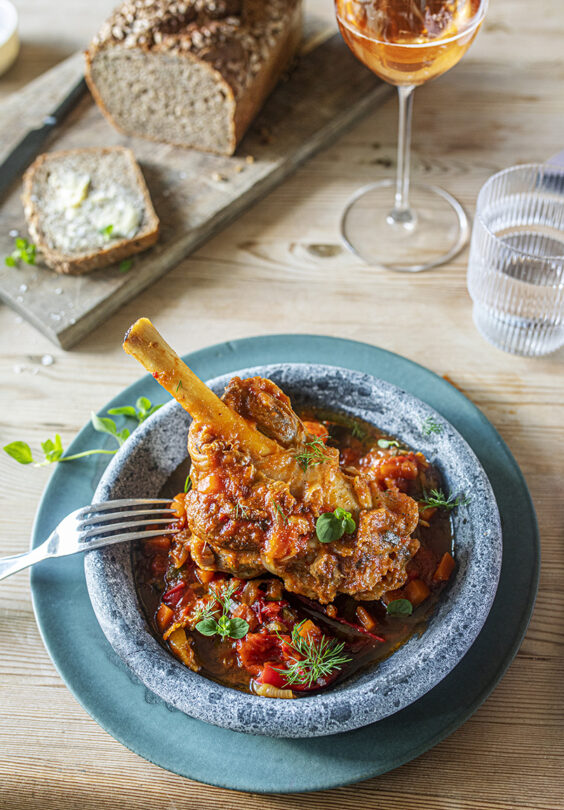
column 253, row 635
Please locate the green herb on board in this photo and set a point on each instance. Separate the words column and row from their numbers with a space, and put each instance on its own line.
column 23, row 251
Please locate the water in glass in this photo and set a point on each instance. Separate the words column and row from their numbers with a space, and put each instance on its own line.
column 516, row 265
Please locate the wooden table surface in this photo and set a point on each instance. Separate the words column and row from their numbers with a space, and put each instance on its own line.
column 280, row 268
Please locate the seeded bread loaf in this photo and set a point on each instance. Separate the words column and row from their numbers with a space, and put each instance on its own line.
column 192, row 73
column 88, row 208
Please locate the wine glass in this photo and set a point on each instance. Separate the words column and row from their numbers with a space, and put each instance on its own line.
column 406, row 43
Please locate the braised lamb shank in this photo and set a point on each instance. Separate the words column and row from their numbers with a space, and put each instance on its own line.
column 260, row 481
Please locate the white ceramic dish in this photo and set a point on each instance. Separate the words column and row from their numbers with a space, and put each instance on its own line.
column 9, row 39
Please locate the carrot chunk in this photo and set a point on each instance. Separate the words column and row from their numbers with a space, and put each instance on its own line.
column 204, row 576
column 426, row 513
column 444, row 568
column 157, row 544
column 180, row 553
column 417, row 591
column 365, row 618
column 164, row 617
column 179, row 505
column 307, row 627
column 316, row 429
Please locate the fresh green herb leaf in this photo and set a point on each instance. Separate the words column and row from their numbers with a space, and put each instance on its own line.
column 332, row 526
column 207, row 627
column 346, row 518
column 399, row 607
column 179, row 385
column 143, row 409
column 358, row 432
column 188, row 483
column 52, row 450
column 313, row 658
column 224, row 627
column 328, row 528
column 24, row 251
column 385, row 443
column 123, row 435
column 238, row 628
column 105, row 425
column 438, row 499
column 430, row 425
column 107, row 231
column 125, row 266
column 124, row 410
column 314, row 452
column 20, row 451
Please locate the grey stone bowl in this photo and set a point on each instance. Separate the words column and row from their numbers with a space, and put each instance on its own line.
column 158, row 446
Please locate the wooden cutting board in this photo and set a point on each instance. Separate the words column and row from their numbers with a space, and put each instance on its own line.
column 195, row 194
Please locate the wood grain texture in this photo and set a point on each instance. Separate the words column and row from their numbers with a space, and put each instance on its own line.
column 195, row 194
column 280, row 268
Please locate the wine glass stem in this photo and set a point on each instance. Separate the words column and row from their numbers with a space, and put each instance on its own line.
column 401, row 213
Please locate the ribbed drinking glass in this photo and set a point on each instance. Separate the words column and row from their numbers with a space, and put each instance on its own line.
column 516, row 265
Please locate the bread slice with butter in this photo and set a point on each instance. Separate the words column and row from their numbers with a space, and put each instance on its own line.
column 88, row 208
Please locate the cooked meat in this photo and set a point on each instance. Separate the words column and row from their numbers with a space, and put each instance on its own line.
column 260, row 481
column 240, row 505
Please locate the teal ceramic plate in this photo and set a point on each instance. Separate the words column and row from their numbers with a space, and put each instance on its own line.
column 141, row 721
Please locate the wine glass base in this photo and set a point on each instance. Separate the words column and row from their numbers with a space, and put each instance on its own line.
column 438, row 232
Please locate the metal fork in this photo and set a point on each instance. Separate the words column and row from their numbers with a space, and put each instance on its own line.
column 94, row 526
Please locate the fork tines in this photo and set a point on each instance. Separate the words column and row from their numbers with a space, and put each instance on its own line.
column 103, row 518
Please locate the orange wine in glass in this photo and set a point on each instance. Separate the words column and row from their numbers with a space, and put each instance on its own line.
column 407, row 42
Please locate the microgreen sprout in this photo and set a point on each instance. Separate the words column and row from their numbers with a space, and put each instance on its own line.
column 224, row 626
column 332, row 526
column 53, row 451
column 24, row 251
column 143, row 408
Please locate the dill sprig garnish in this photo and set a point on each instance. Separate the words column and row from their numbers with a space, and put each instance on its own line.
column 437, row 498
column 358, row 432
column 283, row 514
column 430, row 425
column 314, row 452
column 314, row 659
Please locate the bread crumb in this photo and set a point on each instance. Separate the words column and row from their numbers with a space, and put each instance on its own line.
column 239, row 168
column 250, row 159
column 219, row 178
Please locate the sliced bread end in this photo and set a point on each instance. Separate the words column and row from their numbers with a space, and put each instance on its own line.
column 115, row 166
